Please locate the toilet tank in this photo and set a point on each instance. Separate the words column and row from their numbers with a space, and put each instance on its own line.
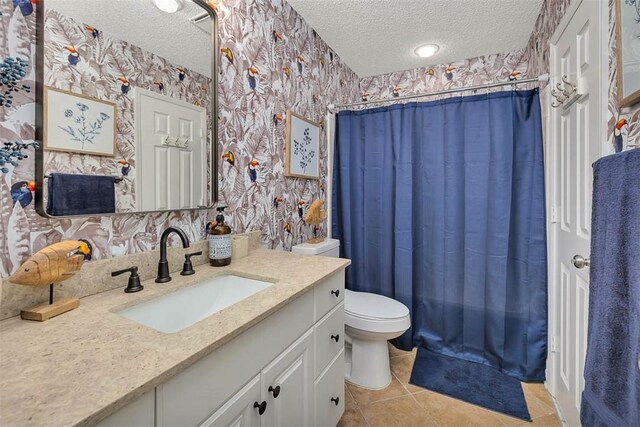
column 330, row 247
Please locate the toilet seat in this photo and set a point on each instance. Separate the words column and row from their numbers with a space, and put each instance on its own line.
column 375, row 313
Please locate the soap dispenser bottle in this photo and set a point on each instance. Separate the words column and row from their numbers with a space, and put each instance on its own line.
column 219, row 241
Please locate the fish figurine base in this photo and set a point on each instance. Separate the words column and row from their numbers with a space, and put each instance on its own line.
column 47, row 311
column 316, row 240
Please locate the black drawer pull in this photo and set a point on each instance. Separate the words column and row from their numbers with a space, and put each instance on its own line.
column 336, row 293
column 275, row 391
column 335, row 400
column 335, row 337
column 261, row 407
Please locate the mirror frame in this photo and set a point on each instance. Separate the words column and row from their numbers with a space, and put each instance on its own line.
column 634, row 97
column 40, row 86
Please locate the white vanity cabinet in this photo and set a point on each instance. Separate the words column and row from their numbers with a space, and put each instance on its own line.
column 288, row 370
column 139, row 413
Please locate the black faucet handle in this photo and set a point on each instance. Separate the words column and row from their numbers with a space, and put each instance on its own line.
column 134, row 279
column 188, row 256
column 187, row 268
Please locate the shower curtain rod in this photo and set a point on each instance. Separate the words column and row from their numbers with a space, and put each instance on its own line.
column 541, row 78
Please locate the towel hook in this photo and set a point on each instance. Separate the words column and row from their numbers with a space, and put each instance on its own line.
column 572, row 87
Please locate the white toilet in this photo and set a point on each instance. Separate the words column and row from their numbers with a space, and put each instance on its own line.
column 370, row 320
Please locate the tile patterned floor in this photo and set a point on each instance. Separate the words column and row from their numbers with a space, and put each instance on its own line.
column 402, row 404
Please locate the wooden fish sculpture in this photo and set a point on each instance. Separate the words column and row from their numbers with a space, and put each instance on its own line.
column 53, row 264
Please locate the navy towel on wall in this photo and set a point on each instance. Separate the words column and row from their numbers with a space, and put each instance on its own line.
column 69, row 194
column 611, row 394
column 441, row 206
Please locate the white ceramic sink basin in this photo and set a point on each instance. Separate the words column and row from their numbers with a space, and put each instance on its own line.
column 180, row 309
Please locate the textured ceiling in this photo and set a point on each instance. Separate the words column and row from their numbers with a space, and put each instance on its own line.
column 139, row 22
column 379, row 36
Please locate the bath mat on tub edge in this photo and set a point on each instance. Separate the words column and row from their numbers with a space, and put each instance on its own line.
column 472, row 382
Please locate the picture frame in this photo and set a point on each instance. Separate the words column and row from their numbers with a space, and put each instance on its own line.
column 628, row 52
column 302, row 149
column 77, row 123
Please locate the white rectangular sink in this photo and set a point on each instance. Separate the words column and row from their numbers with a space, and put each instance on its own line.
column 180, row 309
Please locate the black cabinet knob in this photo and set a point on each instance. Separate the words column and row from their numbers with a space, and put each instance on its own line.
column 275, row 391
column 261, row 407
column 336, row 293
column 335, row 337
column 335, row 400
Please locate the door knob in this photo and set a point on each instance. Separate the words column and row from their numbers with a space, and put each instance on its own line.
column 579, row 261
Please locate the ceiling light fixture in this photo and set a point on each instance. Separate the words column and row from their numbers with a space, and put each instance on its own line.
column 169, row 6
column 427, row 50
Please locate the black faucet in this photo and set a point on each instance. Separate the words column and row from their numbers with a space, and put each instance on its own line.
column 163, row 265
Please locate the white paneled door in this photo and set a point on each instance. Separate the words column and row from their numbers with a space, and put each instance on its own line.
column 171, row 150
column 575, row 145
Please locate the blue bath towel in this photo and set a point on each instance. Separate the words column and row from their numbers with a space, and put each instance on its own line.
column 611, row 395
column 70, row 194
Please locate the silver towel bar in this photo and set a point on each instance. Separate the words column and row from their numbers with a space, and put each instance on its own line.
column 116, row 179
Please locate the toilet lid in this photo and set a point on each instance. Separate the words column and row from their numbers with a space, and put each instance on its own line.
column 371, row 306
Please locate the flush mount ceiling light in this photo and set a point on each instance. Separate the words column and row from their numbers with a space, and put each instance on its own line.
column 427, row 50
column 169, row 6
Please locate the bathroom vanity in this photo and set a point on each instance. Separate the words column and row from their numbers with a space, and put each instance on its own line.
column 274, row 358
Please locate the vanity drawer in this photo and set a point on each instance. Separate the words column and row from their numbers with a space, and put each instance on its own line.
column 194, row 394
column 329, row 338
column 329, row 391
column 328, row 294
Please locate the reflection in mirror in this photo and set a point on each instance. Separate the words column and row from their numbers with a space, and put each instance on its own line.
column 127, row 101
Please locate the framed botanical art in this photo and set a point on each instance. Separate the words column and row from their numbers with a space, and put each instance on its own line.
column 628, row 43
column 78, row 124
column 302, row 150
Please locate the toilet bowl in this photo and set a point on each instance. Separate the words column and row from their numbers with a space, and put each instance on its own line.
column 370, row 320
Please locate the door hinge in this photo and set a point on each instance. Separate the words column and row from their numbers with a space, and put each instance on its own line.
column 554, row 214
column 553, row 347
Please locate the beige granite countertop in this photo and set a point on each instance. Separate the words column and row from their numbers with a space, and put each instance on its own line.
column 82, row 366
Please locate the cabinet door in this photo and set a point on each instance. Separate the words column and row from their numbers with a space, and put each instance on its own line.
column 287, row 385
column 240, row 410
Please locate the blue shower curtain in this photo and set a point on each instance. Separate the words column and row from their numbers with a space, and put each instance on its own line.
column 441, row 206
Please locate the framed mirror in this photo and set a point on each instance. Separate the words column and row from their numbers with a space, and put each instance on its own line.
column 628, row 52
column 127, row 107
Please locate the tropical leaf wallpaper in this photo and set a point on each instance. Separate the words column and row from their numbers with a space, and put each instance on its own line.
column 271, row 61
column 469, row 72
column 82, row 59
column 625, row 126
